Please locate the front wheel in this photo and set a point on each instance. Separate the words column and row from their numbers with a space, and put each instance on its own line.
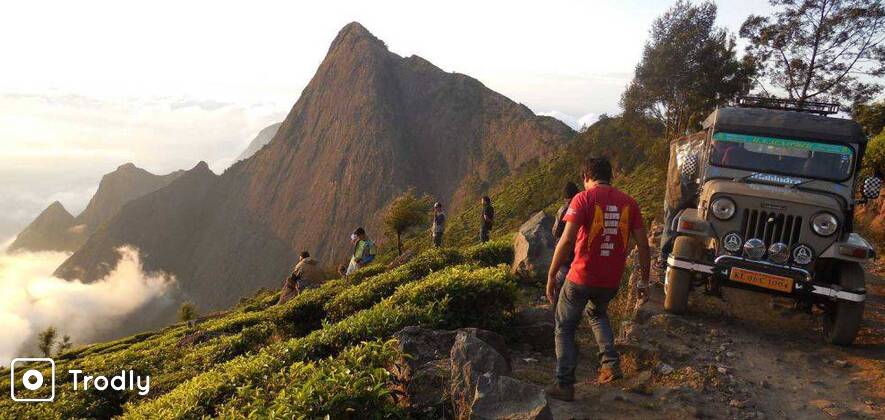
column 678, row 281
column 842, row 320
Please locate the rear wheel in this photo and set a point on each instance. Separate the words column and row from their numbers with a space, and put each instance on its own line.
column 842, row 319
column 678, row 281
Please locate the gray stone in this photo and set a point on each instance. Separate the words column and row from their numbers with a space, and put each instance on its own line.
column 472, row 357
column 503, row 397
column 533, row 248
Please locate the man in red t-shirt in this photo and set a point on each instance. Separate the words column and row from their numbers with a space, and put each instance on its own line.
column 600, row 223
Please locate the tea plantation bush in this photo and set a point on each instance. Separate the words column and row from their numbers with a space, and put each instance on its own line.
column 457, row 296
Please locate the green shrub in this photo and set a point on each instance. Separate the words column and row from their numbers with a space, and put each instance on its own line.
column 489, row 254
column 373, row 290
column 454, row 297
column 353, row 384
column 874, row 159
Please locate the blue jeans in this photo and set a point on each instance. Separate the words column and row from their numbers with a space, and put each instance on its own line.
column 573, row 300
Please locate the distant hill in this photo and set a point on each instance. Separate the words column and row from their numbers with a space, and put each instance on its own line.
column 57, row 230
column 264, row 137
column 368, row 126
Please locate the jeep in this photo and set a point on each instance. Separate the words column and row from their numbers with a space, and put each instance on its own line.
column 762, row 198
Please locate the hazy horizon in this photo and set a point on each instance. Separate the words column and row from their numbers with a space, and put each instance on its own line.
column 99, row 85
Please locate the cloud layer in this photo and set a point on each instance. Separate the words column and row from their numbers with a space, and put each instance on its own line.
column 32, row 300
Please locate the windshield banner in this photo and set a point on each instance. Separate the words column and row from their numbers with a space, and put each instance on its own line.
column 783, row 143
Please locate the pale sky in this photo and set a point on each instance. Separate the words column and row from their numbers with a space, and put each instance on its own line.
column 88, row 85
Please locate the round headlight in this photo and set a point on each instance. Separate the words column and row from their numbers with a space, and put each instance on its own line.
column 803, row 255
column 732, row 242
column 723, row 208
column 824, row 224
column 754, row 248
column 778, row 252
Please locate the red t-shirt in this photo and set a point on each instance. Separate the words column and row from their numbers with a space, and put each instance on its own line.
column 606, row 217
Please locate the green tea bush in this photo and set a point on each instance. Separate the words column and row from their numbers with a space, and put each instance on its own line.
column 354, row 384
column 454, row 297
column 489, row 254
column 374, row 289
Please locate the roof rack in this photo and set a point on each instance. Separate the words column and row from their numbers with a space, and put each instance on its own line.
column 820, row 108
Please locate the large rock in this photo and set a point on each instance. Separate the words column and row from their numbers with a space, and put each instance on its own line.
column 424, row 373
column 503, row 397
column 471, row 357
column 533, row 248
column 535, row 326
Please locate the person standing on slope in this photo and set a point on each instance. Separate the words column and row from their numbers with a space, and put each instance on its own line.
column 569, row 191
column 439, row 224
column 363, row 250
column 599, row 224
column 488, row 217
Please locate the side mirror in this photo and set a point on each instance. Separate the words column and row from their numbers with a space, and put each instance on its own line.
column 689, row 166
column 871, row 187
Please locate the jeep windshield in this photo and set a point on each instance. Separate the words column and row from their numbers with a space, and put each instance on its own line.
column 800, row 158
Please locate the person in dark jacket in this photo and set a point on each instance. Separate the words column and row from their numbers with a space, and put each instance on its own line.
column 488, row 218
column 569, row 191
column 439, row 224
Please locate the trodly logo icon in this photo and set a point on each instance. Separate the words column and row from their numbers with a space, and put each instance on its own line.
column 27, row 382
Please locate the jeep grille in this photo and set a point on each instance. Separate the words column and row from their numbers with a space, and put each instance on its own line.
column 771, row 227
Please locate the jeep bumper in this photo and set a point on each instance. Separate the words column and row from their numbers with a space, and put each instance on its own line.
column 803, row 285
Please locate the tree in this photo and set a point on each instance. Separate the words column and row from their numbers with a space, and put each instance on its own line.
column 870, row 116
column 820, row 50
column 46, row 340
column 406, row 211
column 688, row 68
column 187, row 311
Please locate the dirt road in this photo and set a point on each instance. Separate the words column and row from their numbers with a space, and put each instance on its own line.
column 743, row 356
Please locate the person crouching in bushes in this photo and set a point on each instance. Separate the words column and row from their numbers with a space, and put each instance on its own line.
column 306, row 275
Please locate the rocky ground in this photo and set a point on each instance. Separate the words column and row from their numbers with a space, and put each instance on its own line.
column 743, row 356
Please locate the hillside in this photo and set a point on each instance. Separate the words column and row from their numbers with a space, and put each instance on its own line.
column 368, row 126
column 261, row 358
column 56, row 230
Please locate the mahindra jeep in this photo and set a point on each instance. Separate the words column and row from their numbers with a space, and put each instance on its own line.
column 763, row 199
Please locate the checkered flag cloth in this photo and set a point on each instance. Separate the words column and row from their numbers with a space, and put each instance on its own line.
column 871, row 187
column 690, row 165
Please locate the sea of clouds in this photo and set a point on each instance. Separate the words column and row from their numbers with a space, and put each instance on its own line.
column 31, row 299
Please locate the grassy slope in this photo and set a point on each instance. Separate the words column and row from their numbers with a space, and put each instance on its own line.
column 306, row 356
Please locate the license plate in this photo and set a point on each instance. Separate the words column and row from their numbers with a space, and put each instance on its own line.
column 755, row 278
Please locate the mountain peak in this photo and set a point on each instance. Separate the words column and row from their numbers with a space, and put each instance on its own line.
column 127, row 166
column 352, row 33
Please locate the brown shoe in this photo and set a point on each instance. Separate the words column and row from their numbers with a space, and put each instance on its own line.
column 561, row 392
column 608, row 374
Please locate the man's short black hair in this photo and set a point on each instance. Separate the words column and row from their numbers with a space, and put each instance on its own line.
column 598, row 169
column 570, row 190
column 305, row 254
column 486, row 199
column 359, row 231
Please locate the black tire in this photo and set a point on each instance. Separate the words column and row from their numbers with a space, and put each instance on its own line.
column 842, row 319
column 678, row 282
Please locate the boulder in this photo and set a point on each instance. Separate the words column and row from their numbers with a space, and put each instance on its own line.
column 470, row 358
column 533, row 248
column 503, row 397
